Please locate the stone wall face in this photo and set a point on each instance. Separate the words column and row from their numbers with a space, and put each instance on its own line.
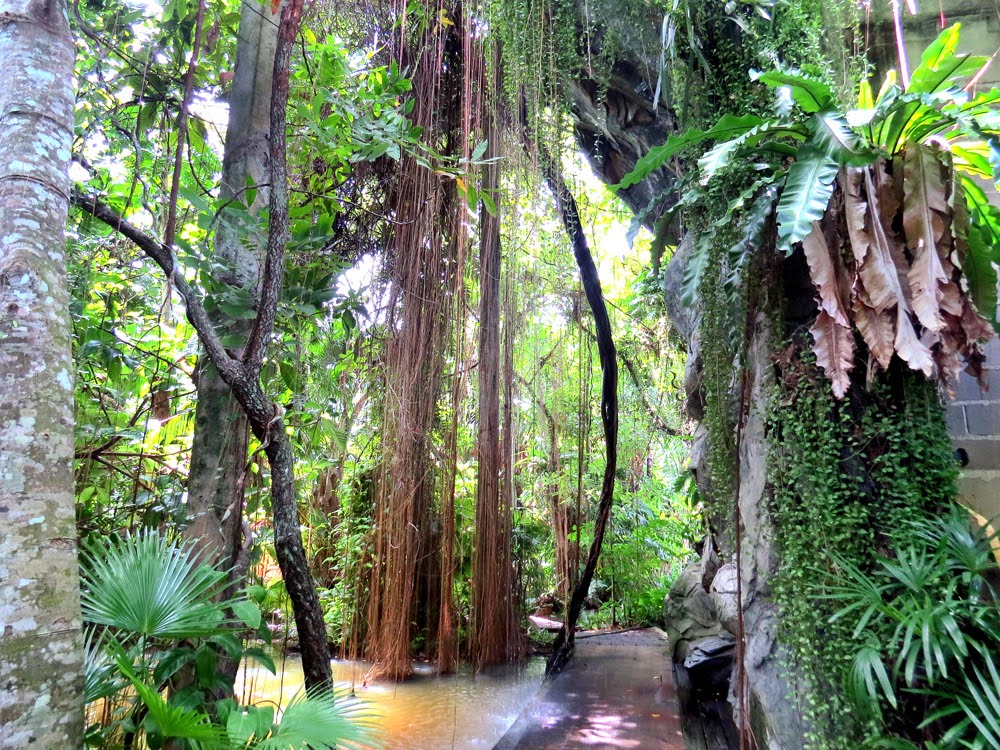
column 973, row 416
column 974, row 424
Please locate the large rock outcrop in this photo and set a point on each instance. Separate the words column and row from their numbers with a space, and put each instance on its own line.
column 616, row 124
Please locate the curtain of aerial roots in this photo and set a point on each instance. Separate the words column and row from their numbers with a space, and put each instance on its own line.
column 494, row 635
column 422, row 277
column 447, row 633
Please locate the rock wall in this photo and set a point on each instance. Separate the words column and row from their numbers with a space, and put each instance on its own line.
column 701, row 610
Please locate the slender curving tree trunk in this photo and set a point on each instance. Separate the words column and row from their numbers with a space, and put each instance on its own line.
column 566, row 206
column 41, row 685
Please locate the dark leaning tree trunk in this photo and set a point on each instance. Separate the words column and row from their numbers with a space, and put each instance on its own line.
column 41, row 685
column 562, row 649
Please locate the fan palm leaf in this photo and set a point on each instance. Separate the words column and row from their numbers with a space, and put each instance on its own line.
column 148, row 586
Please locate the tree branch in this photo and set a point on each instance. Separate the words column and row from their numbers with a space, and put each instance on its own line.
column 229, row 368
column 274, row 264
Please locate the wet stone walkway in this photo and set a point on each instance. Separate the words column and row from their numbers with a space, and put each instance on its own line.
column 616, row 692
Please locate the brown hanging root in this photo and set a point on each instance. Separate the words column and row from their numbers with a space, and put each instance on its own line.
column 494, row 637
column 422, row 273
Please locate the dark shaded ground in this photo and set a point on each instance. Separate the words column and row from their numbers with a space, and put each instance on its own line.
column 617, row 692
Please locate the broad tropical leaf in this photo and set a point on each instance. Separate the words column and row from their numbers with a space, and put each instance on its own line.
column 719, row 157
column 977, row 234
column 695, row 267
column 804, row 199
column 973, row 158
column 925, row 216
column 100, row 678
column 908, row 345
column 836, row 137
column 727, row 127
column 244, row 725
column 939, row 65
column 855, row 213
column 834, row 351
column 166, row 720
column 811, row 94
column 145, row 585
column 826, row 275
column 877, row 330
column 322, row 722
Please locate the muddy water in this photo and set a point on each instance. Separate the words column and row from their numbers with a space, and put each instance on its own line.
column 429, row 712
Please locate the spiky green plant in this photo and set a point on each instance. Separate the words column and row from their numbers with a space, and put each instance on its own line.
column 319, row 722
column 146, row 586
column 151, row 609
column 929, row 628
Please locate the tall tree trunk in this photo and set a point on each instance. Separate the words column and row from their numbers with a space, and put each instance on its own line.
column 508, row 487
column 41, row 700
column 560, row 511
column 219, row 446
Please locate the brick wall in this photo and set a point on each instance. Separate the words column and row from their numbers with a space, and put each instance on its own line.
column 973, row 416
column 974, row 423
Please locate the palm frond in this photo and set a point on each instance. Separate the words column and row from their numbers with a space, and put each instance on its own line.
column 147, row 586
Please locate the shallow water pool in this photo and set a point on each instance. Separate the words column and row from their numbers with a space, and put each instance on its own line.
column 462, row 711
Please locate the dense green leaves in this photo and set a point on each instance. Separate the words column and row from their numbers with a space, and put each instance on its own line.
column 727, row 127
column 936, row 634
column 147, row 586
column 978, row 235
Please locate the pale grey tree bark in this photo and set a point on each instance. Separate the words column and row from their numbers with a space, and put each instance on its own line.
column 41, row 686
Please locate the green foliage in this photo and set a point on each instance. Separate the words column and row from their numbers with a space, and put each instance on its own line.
column 727, row 127
column 317, row 722
column 821, row 138
column 152, row 588
column 932, row 625
column 654, row 528
column 849, row 479
column 153, row 611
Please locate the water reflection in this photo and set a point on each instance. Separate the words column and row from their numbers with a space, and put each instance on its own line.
column 429, row 712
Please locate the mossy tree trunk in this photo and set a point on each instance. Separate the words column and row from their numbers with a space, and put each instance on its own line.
column 41, row 684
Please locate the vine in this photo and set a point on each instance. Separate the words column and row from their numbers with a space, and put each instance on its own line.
column 846, row 476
